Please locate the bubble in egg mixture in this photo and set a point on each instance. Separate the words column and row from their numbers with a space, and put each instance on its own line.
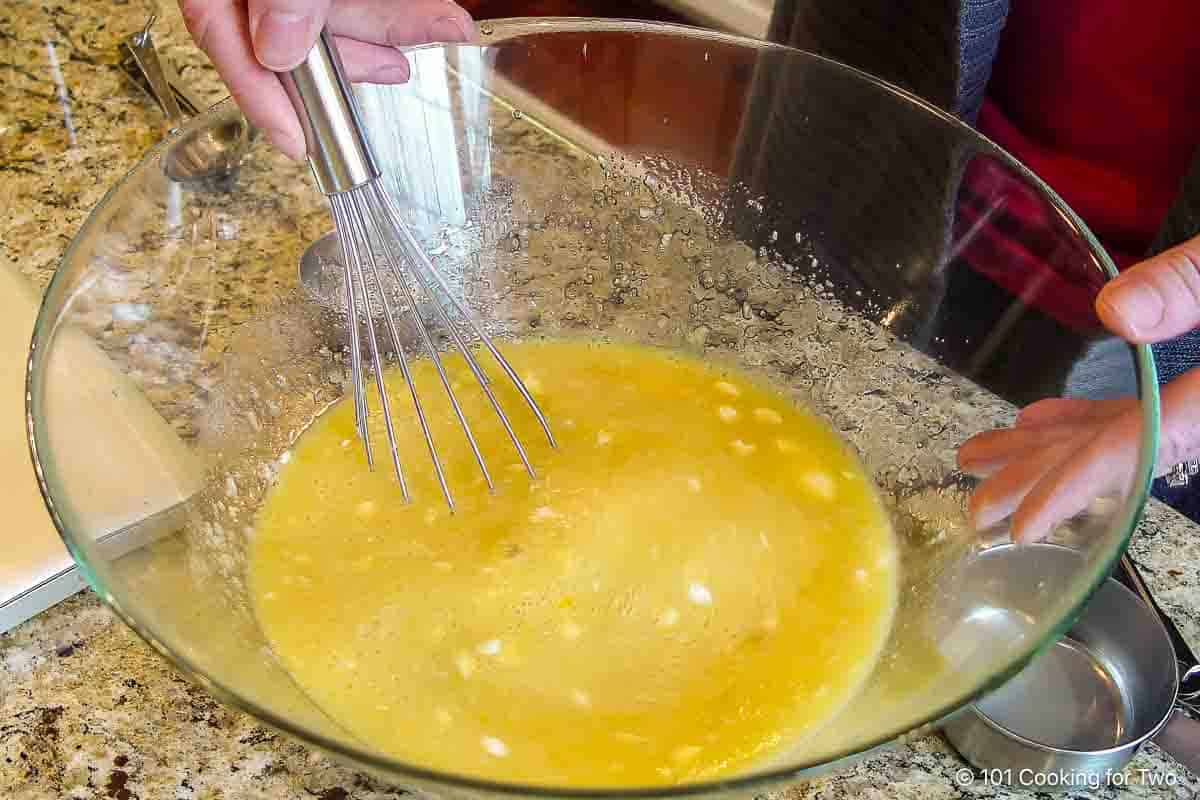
column 700, row 575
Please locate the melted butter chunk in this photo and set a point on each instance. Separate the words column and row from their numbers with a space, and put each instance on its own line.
column 768, row 415
column 820, row 483
column 743, row 448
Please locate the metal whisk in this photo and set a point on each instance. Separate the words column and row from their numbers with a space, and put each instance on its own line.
column 376, row 246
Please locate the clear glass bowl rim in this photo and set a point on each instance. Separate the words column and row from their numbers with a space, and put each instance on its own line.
column 493, row 31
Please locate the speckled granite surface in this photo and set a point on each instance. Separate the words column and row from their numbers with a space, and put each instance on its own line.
column 86, row 709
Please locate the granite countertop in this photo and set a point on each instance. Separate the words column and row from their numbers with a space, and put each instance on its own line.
column 89, row 711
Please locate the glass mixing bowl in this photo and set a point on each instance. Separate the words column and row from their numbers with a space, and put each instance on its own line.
column 740, row 201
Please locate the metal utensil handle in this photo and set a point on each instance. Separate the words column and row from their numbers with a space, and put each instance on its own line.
column 1189, row 666
column 1180, row 737
column 338, row 150
column 141, row 47
column 189, row 104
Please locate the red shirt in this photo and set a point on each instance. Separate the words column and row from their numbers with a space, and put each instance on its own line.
column 1101, row 99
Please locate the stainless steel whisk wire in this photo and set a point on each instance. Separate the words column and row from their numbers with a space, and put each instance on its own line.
column 377, row 244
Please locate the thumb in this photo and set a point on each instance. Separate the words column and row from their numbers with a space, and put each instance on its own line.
column 283, row 31
column 1156, row 300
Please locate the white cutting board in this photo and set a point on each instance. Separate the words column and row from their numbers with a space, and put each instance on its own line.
column 122, row 461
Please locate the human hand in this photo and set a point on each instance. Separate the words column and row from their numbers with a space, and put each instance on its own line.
column 1062, row 453
column 250, row 41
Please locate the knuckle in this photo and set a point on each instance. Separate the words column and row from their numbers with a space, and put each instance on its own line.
column 198, row 16
column 395, row 33
column 1179, row 436
column 1184, row 269
column 1174, row 446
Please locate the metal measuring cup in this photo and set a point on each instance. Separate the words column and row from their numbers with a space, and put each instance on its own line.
column 1074, row 718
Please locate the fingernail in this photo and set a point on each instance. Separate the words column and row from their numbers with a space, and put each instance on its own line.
column 449, row 29
column 985, row 517
column 1136, row 304
column 282, row 38
column 389, row 73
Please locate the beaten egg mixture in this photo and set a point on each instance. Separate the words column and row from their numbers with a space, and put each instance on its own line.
column 700, row 575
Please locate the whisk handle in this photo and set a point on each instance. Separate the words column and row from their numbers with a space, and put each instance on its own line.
column 338, row 150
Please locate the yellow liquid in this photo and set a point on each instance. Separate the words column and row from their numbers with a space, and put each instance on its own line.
column 700, row 576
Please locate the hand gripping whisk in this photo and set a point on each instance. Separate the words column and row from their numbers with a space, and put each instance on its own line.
column 376, row 245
